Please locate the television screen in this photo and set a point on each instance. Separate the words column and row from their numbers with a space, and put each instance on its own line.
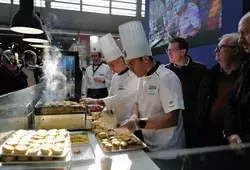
column 198, row 21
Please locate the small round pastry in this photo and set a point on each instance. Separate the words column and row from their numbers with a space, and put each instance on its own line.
column 45, row 151
column 32, row 151
column 7, row 148
column 57, row 151
column 33, row 145
column 124, row 144
column 42, row 131
column 48, row 146
column 62, row 130
column 8, row 158
column 60, row 145
column 20, row 149
column 105, row 140
column 37, row 142
column 48, row 141
column 26, row 143
column 21, row 132
column 102, row 135
column 108, row 147
column 12, row 142
column 63, row 133
column 115, row 145
column 59, row 140
column 50, row 137
column 114, row 140
column 37, row 137
column 42, row 134
column 22, row 158
column 76, row 150
column 52, row 131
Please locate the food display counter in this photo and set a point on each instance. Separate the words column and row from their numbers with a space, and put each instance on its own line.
column 20, row 110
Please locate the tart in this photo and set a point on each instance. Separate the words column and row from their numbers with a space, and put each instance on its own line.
column 57, row 151
column 20, row 149
column 7, row 148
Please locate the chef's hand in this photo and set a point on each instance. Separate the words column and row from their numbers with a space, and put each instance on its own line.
column 99, row 79
column 128, row 126
column 234, row 139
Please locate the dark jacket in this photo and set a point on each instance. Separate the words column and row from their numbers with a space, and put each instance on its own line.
column 190, row 77
column 238, row 118
column 10, row 82
column 206, row 95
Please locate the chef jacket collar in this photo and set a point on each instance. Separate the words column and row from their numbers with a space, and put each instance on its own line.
column 123, row 72
column 153, row 69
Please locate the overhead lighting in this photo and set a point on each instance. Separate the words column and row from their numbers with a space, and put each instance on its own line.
column 41, row 38
column 40, row 45
column 26, row 21
column 74, row 39
column 0, row 43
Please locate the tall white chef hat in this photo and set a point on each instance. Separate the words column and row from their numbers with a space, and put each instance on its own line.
column 109, row 48
column 94, row 44
column 134, row 40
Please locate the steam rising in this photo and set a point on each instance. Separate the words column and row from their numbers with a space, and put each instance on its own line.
column 55, row 80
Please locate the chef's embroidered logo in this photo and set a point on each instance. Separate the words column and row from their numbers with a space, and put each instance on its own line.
column 94, row 49
column 152, row 87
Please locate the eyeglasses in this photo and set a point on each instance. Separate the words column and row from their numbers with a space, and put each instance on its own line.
column 219, row 47
column 172, row 50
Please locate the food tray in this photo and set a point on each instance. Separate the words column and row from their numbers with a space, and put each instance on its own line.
column 66, row 149
column 41, row 109
column 79, row 138
column 130, row 147
column 67, row 160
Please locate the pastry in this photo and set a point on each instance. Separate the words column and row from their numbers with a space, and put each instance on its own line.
column 57, row 151
column 47, row 146
column 105, row 140
column 32, row 151
column 115, row 145
column 114, row 140
column 102, row 135
column 108, row 147
column 22, row 158
column 48, row 141
column 124, row 144
column 45, row 151
column 76, row 150
column 12, row 142
column 26, row 143
column 59, row 145
column 7, row 148
column 37, row 137
column 50, row 137
column 60, row 140
column 20, row 149
column 37, row 142
column 33, row 145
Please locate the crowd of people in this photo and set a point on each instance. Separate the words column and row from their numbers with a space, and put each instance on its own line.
column 178, row 105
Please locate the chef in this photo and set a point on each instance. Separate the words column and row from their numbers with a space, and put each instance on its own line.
column 123, row 85
column 159, row 98
column 97, row 76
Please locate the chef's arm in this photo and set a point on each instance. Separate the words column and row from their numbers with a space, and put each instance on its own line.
column 160, row 121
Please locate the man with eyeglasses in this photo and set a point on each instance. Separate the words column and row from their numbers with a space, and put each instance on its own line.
column 237, row 123
column 190, row 73
column 159, row 99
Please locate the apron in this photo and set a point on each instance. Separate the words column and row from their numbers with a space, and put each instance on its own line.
column 97, row 93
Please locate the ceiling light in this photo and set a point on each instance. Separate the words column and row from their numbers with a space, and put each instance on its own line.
column 74, row 39
column 41, row 38
column 26, row 21
column 40, row 45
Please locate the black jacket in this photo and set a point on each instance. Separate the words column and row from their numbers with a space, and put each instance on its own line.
column 206, row 95
column 238, row 117
column 10, row 82
column 190, row 77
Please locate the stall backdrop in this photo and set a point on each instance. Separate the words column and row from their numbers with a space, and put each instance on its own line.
column 228, row 14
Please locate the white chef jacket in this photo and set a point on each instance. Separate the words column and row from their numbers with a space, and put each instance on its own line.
column 189, row 20
column 161, row 93
column 122, row 94
column 95, row 71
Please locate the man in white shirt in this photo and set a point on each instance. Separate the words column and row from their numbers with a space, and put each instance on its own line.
column 123, row 84
column 97, row 76
column 159, row 98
